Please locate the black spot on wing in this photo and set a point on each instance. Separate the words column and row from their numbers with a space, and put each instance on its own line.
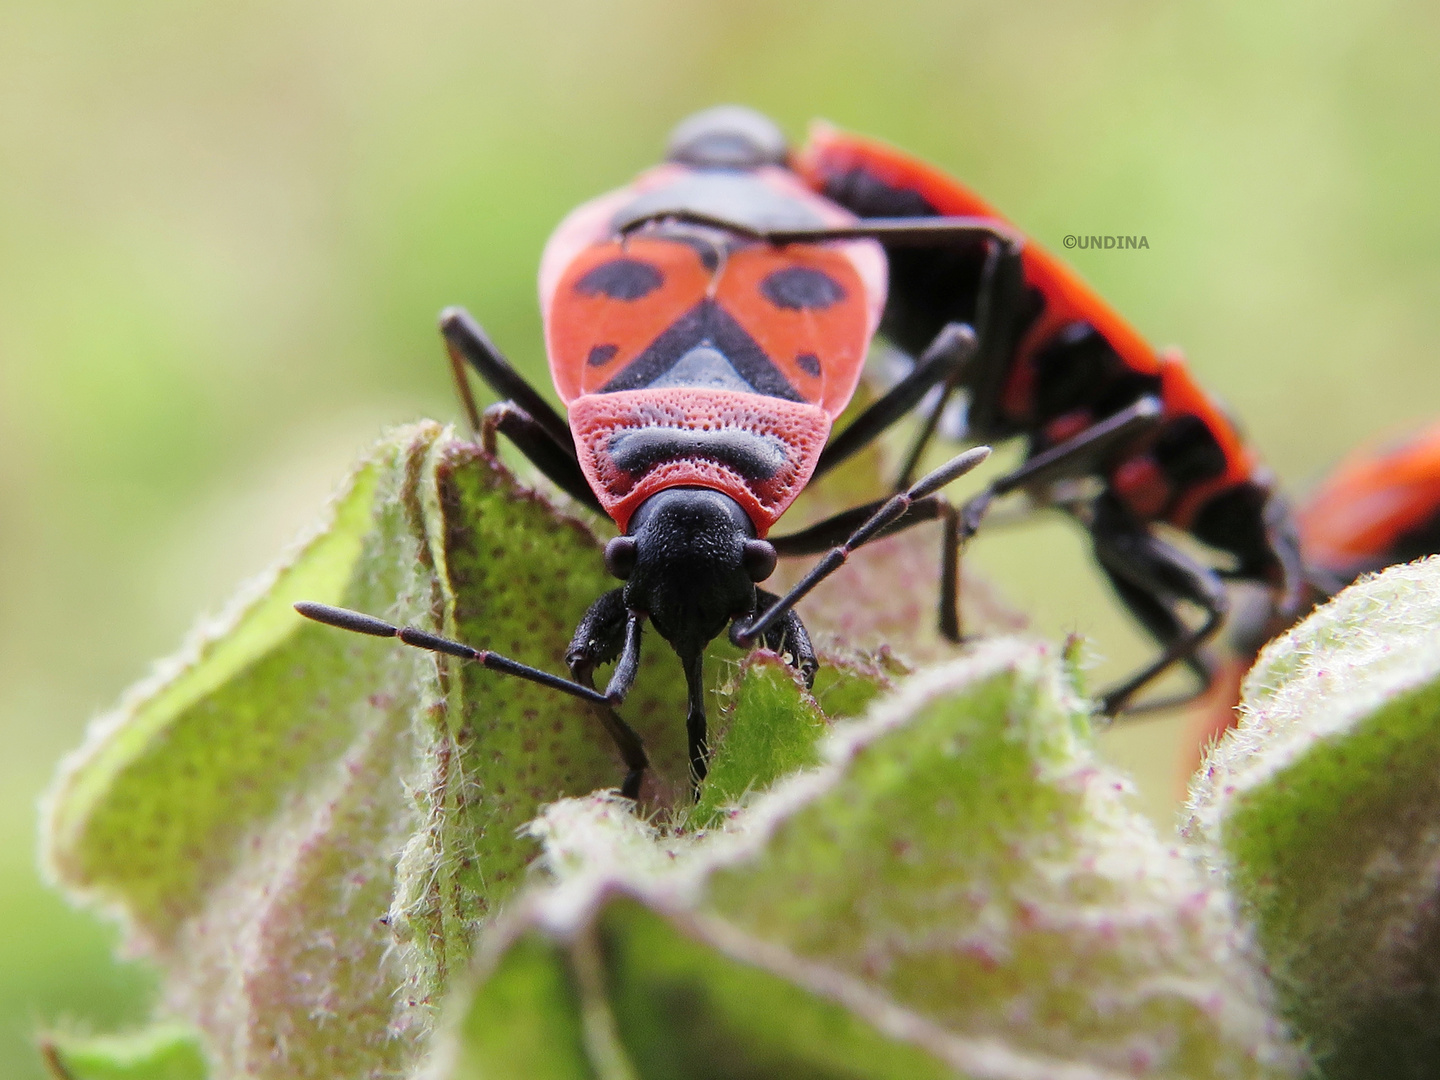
column 601, row 355
column 809, row 363
column 621, row 279
column 801, row 288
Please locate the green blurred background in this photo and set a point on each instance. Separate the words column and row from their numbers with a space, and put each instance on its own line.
column 225, row 231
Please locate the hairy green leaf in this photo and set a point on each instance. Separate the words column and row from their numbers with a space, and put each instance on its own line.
column 769, row 727
column 305, row 828
column 957, row 888
column 1320, row 810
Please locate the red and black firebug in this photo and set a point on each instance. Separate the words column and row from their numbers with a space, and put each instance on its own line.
column 707, row 324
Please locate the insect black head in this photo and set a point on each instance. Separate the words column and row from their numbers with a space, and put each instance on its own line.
column 691, row 562
column 727, row 137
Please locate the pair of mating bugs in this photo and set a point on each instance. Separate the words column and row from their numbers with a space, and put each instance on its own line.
column 706, row 326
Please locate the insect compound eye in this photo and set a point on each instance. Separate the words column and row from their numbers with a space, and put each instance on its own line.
column 801, row 288
column 621, row 279
column 620, row 557
column 759, row 559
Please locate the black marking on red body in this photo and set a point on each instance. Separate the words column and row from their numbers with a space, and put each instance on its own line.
column 1078, row 369
column 705, row 327
column 1188, row 451
column 621, row 279
column 866, row 195
column 801, row 288
column 755, row 457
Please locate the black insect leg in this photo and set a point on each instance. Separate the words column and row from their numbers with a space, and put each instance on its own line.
column 945, row 360
column 1086, row 453
column 1152, row 578
column 788, row 637
column 824, row 535
column 1002, row 291
column 462, row 387
column 950, row 545
column 466, row 341
column 1167, row 628
column 508, row 419
column 522, row 414
column 1076, row 457
column 610, row 631
column 620, row 639
column 889, row 513
column 1079, row 456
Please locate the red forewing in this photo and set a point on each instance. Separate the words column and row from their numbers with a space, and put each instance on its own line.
column 612, row 302
column 789, row 322
column 805, row 305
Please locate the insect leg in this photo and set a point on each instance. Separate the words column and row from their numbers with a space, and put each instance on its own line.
column 936, row 231
column 1152, row 577
column 918, row 231
column 788, row 637
column 462, row 387
column 1076, row 457
column 1002, row 291
column 1082, row 454
column 945, row 360
column 554, row 462
column 950, row 544
column 1294, row 577
column 465, row 340
column 824, row 535
column 610, row 631
column 889, row 513
column 522, row 415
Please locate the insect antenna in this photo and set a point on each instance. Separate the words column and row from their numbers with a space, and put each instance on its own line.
column 345, row 619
